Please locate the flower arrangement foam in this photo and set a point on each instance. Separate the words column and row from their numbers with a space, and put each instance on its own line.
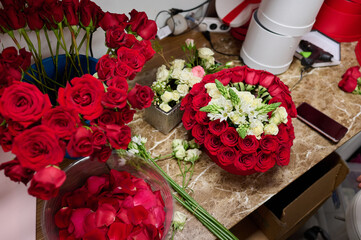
column 91, row 114
column 242, row 117
column 175, row 79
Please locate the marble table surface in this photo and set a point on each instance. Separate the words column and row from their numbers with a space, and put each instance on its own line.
column 230, row 198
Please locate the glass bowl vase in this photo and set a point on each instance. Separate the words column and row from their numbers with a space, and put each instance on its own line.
column 78, row 172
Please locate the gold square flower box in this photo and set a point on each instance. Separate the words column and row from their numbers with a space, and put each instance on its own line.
column 163, row 121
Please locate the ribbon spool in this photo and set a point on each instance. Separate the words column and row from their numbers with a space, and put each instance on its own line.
column 340, row 20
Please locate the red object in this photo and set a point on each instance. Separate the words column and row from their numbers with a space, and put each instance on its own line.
column 340, row 20
column 237, row 10
column 358, row 51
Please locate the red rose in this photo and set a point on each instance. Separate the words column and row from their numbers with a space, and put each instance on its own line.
column 265, row 162
column 16, row 172
column 24, row 59
column 268, row 144
column 71, row 8
column 133, row 58
column 226, row 155
column 46, row 182
column 15, row 128
column 23, row 103
column 62, row 120
column 3, row 21
column 118, row 136
column 10, row 57
column 217, row 127
column 114, row 98
column 213, row 143
column 85, row 95
column 200, row 100
column 230, row 137
column 38, row 147
column 349, row 79
column 81, row 143
column 286, row 102
column 129, row 41
column 98, row 137
column 276, row 88
column 238, row 74
column 245, row 162
column 102, row 154
column 140, row 96
column 36, row 3
column 199, row 132
column 109, row 117
column 248, row 145
column 145, row 48
column 90, row 13
column 188, row 118
column 282, row 135
column 266, row 79
column 118, row 82
column 114, row 37
column 202, row 118
column 198, row 88
column 186, row 102
column 283, row 156
column 11, row 76
column 126, row 114
column 140, row 24
column 105, row 67
column 34, row 21
column 53, row 12
column 6, row 139
column 111, row 20
column 123, row 70
column 15, row 18
column 252, row 76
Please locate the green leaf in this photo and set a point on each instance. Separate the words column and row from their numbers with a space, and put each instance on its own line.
column 234, row 97
column 242, row 131
column 222, row 89
column 210, row 108
column 268, row 107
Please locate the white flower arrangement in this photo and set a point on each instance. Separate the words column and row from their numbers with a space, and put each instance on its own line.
column 247, row 112
column 175, row 79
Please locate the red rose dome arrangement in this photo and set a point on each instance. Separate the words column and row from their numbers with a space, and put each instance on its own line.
column 242, row 118
column 91, row 113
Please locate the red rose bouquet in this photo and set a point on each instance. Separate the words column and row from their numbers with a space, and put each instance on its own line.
column 351, row 80
column 90, row 114
column 242, row 117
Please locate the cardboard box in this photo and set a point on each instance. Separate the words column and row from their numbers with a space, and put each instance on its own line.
column 285, row 212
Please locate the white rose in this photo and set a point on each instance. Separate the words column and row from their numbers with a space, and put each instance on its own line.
column 192, row 155
column 209, row 62
column 167, row 97
column 237, row 118
column 178, row 64
column 165, row 107
column 212, row 90
column 162, row 73
column 175, row 95
column 179, row 152
column 205, row 53
column 183, row 89
column 179, row 220
column 185, row 75
column 193, row 80
column 279, row 116
column 176, row 73
column 271, row 129
column 256, row 128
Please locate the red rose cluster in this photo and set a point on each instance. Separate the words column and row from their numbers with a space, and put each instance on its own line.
column 117, row 205
column 222, row 142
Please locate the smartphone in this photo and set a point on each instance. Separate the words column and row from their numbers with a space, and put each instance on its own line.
column 320, row 122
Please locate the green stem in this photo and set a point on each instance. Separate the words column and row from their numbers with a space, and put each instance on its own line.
column 87, row 48
column 11, row 34
column 49, row 44
column 74, row 44
column 40, row 83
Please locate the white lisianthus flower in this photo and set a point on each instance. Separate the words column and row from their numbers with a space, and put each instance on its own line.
column 176, row 143
column 165, row 107
column 189, row 42
column 178, row 64
column 185, row 75
column 205, row 53
column 176, row 73
column 279, row 116
column 162, row 73
column 175, row 95
column 179, row 220
column 255, row 128
column 167, row 97
column 192, row 155
column 179, row 152
column 237, row 118
column 271, row 129
column 193, row 80
column 209, row 62
column 183, row 89
column 139, row 140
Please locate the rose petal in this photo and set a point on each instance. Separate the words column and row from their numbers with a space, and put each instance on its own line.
column 77, row 199
column 128, row 202
column 62, row 217
column 77, row 219
column 115, row 202
column 64, row 235
column 137, row 214
column 96, row 183
column 125, row 186
column 160, row 201
column 95, row 234
column 119, row 231
column 89, row 222
column 141, row 234
column 105, row 215
column 140, row 184
column 123, row 216
column 145, row 198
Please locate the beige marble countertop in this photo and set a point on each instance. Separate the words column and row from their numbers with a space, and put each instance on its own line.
column 230, row 198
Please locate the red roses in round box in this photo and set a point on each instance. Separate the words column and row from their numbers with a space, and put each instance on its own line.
column 242, row 117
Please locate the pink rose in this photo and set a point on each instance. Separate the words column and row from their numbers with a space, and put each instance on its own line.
column 198, row 71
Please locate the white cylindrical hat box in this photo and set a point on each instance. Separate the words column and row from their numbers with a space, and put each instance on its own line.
column 266, row 50
column 289, row 17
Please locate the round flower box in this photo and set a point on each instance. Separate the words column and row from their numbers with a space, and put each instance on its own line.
column 242, row 118
column 88, row 186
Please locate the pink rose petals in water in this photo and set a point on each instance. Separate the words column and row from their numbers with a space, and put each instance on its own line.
column 112, row 206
